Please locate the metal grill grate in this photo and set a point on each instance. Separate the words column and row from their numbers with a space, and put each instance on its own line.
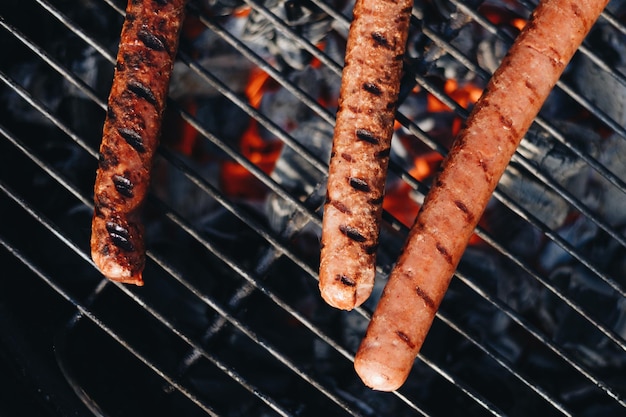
column 231, row 326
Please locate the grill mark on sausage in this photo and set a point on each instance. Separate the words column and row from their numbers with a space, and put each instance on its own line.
column 403, row 336
column 120, row 236
column 444, row 252
column 380, row 39
column 151, row 40
column 372, row 88
column 352, row 233
column 468, row 215
column 123, row 185
column 367, row 136
column 133, row 138
column 376, row 201
column 340, row 206
column 346, row 156
column 359, row 184
column 425, row 297
column 347, row 281
column 142, row 91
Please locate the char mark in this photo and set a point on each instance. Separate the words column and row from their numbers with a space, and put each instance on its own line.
column 367, row 136
column 340, row 206
column 461, row 205
column 426, row 298
column 380, row 39
column 352, row 233
column 120, row 236
column 142, row 91
column 133, row 138
column 123, row 185
column 359, row 184
column 444, row 252
column 151, row 40
column 347, row 281
column 405, row 338
column 346, row 156
column 372, row 88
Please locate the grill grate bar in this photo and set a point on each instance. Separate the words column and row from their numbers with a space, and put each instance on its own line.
column 84, row 311
column 541, row 338
column 301, row 41
column 253, row 57
column 506, row 365
column 236, row 268
column 601, row 169
column 236, row 156
column 252, row 112
column 484, row 74
column 276, row 244
column 550, row 183
column 617, row 339
column 507, row 38
column 76, row 82
column 606, row 14
column 45, row 112
column 209, row 246
column 529, row 218
column 250, row 166
column 204, row 298
column 76, row 29
column 262, row 230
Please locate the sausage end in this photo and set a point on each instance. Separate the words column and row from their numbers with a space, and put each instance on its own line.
column 111, row 269
column 378, row 375
column 346, row 297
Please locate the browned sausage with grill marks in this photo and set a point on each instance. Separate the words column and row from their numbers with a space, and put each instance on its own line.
column 145, row 58
column 462, row 189
column 360, row 155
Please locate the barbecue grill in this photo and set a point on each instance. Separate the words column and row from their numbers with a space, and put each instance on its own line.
column 230, row 322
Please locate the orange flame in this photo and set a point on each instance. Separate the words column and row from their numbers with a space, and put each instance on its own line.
column 464, row 95
column 236, row 180
column 398, row 201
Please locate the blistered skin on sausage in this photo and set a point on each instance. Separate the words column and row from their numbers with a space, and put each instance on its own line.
column 462, row 189
column 360, row 154
column 148, row 44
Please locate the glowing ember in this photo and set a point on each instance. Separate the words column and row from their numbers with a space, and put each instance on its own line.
column 236, row 180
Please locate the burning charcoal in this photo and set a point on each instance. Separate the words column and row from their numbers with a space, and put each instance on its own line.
column 296, row 175
column 287, row 110
column 577, row 233
column 303, row 17
column 598, row 85
column 232, row 69
column 611, row 202
column 556, row 161
column 46, row 89
column 222, row 7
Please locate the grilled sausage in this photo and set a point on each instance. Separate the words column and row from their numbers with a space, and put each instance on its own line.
column 462, row 189
column 147, row 48
column 360, row 155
